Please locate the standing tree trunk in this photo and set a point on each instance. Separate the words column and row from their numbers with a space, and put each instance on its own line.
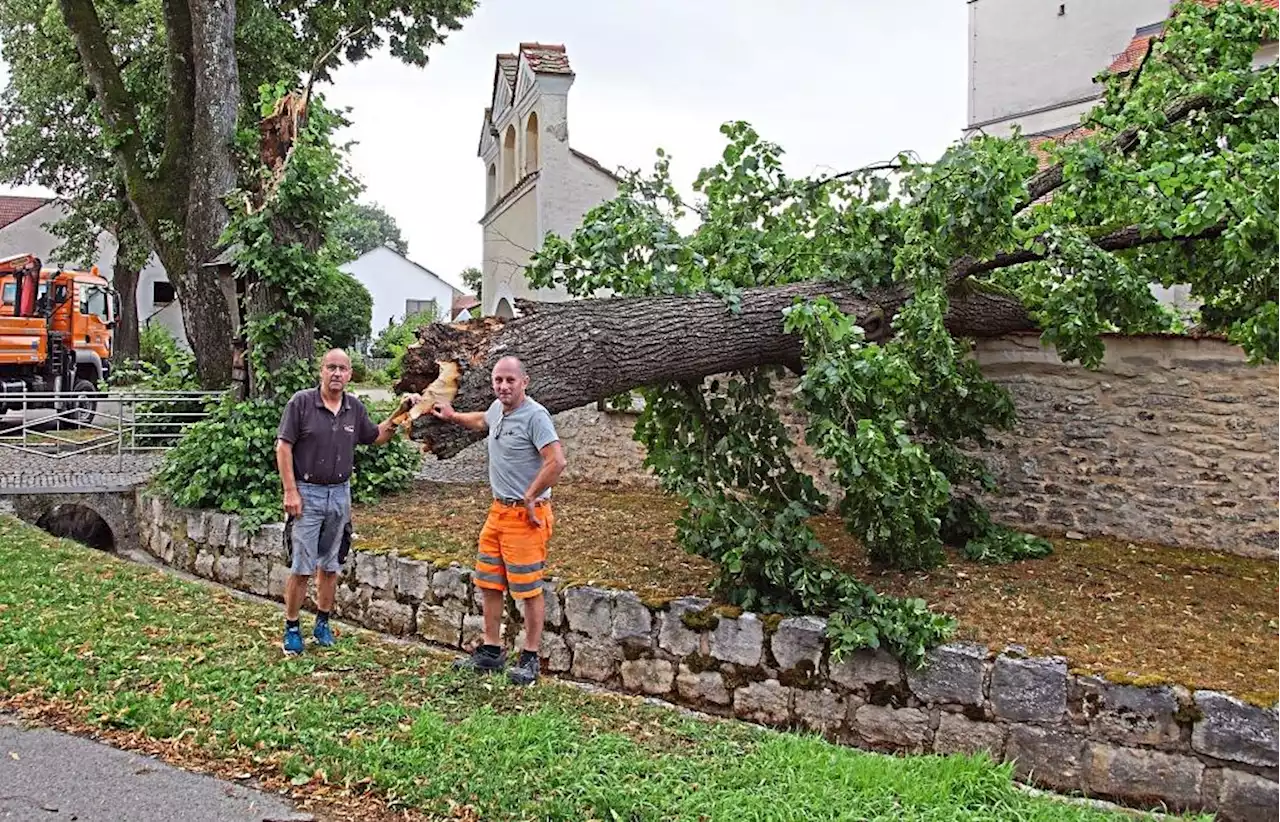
column 179, row 203
column 278, row 133
column 216, row 100
column 132, row 252
column 124, row 337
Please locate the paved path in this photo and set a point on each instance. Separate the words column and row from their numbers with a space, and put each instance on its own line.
column 49, row 776
column 22, row 471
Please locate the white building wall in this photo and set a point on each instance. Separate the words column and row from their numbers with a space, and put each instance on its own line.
column 391, row 280
column 1034, row 54
column 565, row 189
column 31, row 235
column 583, row 189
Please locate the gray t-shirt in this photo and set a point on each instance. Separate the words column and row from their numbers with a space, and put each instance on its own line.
column 515, row 444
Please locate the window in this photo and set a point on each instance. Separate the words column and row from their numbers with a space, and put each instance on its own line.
column 93, row 300
column 6, row 295
column 161, row 293
column 509, row 159
column 491, row 186
column 531, row 144
column 412, row 307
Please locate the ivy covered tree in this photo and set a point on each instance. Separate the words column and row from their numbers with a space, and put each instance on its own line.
column 870, row 285
column 294, row 182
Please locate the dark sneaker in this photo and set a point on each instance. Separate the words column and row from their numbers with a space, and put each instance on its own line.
column 525, row 672
column 323, row 634
column 293, row 641
column 484, row 660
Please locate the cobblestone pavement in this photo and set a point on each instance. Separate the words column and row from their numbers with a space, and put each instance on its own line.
column 469, row 466
column 22, row 471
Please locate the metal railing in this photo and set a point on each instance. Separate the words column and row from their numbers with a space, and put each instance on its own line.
column 63, row 425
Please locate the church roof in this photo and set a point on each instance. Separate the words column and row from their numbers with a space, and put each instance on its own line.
column 508, row 65
column 546, row 58
column 1136, row 51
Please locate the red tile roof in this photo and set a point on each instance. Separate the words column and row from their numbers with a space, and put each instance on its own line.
column 546, row 58
column 507, row 66
column 13, row 209
column 1133, row 53
column 461, row 302
column 1040, row 144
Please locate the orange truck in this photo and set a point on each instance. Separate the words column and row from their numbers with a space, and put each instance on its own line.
column 55, row 335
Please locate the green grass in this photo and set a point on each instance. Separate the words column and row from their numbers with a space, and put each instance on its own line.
column 138, row 650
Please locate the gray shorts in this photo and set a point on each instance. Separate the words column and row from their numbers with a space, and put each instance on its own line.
column 315, row 536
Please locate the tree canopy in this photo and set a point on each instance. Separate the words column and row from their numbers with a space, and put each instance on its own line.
column 362, row 227
column 869, row 284
column 199, row 66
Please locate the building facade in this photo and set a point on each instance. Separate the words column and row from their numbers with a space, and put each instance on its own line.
column 25, row 228
column 1032, row 63
column 400, row 287
column 535, row 183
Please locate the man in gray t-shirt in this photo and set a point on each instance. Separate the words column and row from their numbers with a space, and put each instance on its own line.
column 525, row 460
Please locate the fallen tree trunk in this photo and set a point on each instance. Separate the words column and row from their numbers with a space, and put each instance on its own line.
column 582, row 351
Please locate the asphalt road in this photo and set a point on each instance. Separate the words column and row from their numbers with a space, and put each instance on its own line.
column 49, row 776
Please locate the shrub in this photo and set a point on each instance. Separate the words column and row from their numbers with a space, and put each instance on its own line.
column 228, row 462
column 393, row 340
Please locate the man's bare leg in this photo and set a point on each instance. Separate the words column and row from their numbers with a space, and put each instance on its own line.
column 326, row 588
column 535, row 614
column 492, row 615
column 295, row 591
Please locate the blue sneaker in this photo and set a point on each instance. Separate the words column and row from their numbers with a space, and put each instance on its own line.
column 323, row 634
column 293, row 641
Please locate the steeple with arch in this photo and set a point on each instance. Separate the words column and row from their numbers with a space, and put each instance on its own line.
column 535, row 183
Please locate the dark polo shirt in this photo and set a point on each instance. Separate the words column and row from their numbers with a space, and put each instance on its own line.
column 324, row 444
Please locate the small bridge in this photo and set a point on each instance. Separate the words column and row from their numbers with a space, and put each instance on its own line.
column 75, row 474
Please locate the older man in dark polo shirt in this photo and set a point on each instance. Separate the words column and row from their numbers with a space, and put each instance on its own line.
column 315, row 450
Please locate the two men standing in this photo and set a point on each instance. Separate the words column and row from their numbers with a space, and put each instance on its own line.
column 315, row 451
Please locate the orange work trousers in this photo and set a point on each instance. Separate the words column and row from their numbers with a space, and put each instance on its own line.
column 513, row 551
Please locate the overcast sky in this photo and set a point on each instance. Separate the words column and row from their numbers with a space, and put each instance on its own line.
column 837, row 83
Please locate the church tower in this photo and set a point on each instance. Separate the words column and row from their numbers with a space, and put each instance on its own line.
column 535, row 183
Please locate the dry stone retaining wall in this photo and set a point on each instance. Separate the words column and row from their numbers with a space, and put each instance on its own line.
column 1140, row 745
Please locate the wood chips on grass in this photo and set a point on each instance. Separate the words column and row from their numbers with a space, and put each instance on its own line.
column 1134, row 611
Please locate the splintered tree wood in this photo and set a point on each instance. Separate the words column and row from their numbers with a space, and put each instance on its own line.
column 582, row 351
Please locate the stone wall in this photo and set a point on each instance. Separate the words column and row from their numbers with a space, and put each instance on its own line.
column 1172, row 440
column 1139, row 745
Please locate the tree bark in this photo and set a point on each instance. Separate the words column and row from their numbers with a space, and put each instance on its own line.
column 205, row 306
column 124, row 278
column 179, row 205
column 582, row 351
column 277, row 134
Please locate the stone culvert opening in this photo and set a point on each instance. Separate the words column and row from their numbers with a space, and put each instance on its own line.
column 80, row 523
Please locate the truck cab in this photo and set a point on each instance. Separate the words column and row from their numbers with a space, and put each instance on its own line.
column 55, row 330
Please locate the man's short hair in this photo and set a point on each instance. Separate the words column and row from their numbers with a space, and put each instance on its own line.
column 514, row 359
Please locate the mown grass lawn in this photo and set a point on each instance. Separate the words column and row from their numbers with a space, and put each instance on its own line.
column 195, row 672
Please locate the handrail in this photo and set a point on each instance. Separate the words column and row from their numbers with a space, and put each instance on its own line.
column 61, row 425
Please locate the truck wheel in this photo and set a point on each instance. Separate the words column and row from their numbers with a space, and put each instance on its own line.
column 81, row 406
